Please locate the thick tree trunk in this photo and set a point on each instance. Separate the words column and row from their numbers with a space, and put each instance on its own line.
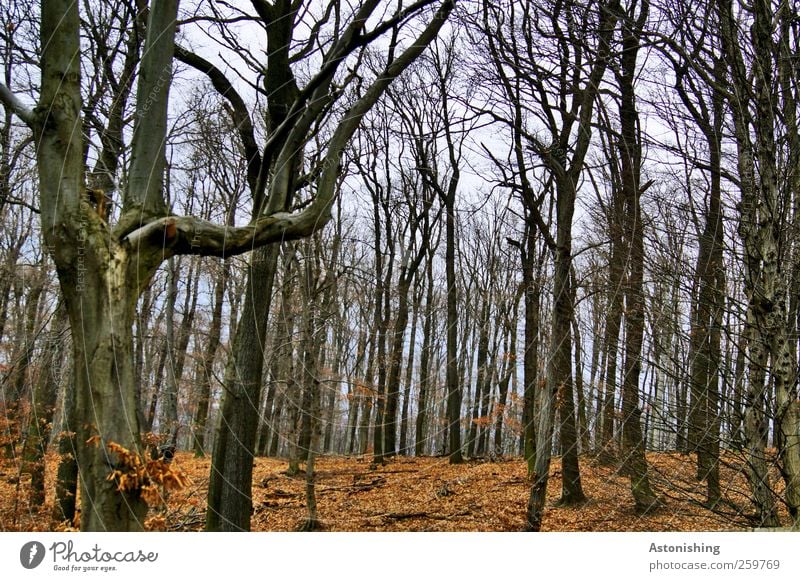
column 705, row 350
column 101, row 312
column 788, row 397
column 558, row 389
column 100, row 278
column 230, row 483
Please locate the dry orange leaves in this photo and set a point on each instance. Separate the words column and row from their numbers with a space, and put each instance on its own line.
column 415, row 494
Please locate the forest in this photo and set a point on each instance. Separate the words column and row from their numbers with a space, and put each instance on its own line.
column 448, row 265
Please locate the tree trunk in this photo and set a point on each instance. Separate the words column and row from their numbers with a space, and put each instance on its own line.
column 311, row 347
column 204, row 372
column 510, row 357
column 404, row 447
column 758, row 228
column 583, row 428
column 395, row 363
column 480, row 382
column 101, row 279
column 169, row 423
column 43, row 404
column 705, row 351
column 533, row 290
column 453, row 389
column 424, row 363
column 634, row 461
column 67, row 476
column 613, row 324
column 230, row 483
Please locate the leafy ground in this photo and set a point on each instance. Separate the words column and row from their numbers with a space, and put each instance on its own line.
column 426, row 494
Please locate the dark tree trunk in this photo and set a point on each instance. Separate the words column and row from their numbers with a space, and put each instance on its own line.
column 613, row 324
column 383, row 279
column 758, row 228
column 533, row 291
column 707, row 311
column 230, row 484
column 453, row 388
column 634, row 461
column 424, row 363
column 229, row 491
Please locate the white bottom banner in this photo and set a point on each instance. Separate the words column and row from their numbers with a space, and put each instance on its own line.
column 396, row 556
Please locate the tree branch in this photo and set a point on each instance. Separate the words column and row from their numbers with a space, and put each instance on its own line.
column 144, row 196
column 189, row 235
column 17, row 107
column 240, row 114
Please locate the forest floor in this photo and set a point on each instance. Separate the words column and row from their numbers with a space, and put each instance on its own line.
column 428, row 494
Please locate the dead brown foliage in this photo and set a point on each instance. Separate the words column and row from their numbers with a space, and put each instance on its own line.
column 425, row 494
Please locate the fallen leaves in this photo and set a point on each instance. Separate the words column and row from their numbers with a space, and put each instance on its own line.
column 429, row 494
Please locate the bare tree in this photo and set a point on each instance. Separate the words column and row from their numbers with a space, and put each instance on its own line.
column 103, row 268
